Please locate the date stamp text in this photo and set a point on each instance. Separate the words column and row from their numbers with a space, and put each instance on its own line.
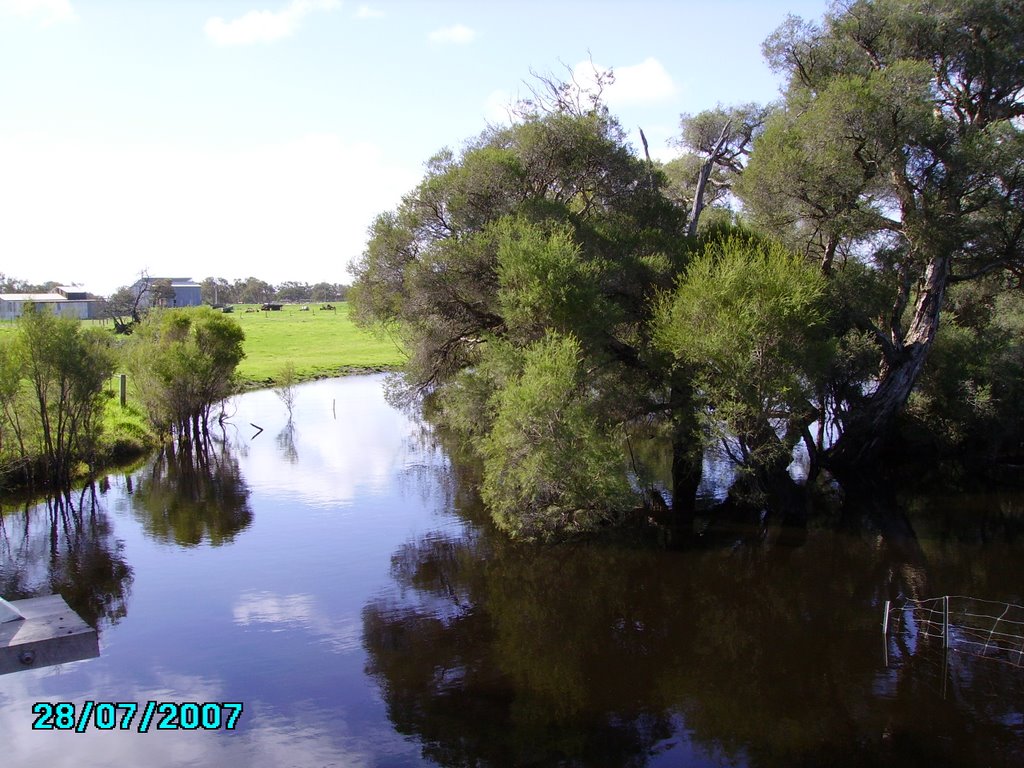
column 131, row 715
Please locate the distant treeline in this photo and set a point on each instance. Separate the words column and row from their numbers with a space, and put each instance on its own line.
column 251, row 290
column 14, row 285
column 217, row 290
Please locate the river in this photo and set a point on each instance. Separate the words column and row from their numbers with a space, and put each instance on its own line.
column 336, row 576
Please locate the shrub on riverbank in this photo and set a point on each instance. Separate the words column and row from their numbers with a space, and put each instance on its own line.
column 126, row 433
column 183, row 363
column 316, row 343
column 52, row 375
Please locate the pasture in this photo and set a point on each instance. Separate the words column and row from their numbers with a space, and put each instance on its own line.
column 317, row 342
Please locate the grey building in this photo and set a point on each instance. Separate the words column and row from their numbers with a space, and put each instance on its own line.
column 187, row 292
column 67, row 301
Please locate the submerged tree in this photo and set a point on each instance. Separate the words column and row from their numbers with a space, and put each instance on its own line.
column 552, row 467
column 287, row 378
column 894, row 166
column 900, row 144
column 527, row 265
column 183, row 362
column 750, row 318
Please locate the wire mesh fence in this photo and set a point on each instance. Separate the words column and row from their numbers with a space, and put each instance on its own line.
column 983, row 628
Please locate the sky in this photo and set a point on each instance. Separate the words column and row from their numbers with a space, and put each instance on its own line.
column 237, row 138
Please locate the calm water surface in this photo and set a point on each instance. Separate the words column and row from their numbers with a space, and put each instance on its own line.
column 335, row 576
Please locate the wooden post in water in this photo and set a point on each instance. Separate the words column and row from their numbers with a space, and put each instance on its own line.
column 124, row 390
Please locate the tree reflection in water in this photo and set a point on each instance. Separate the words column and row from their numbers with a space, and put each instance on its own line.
column 193, row 495
column 759, row 645
column 66, row 546
column 286, row 442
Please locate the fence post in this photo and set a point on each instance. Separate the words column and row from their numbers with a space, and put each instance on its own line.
column 124, row 390
column 945, row 621
column 945, row 644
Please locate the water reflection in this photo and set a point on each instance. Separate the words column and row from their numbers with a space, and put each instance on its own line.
column 342, row 442
column 66, row 546
column 297, row 611
column 367, row 615
column 760, row 646
column 191, row 496
column 286, row 442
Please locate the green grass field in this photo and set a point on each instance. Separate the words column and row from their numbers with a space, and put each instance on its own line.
column 317, row 342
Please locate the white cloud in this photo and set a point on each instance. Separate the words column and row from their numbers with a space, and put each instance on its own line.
column 366, row 12
column 639, row 84
column 497, row 106
column 459, row 34
column 264, row 26
column 342, row 633
column 48, row 11
column 331, row 473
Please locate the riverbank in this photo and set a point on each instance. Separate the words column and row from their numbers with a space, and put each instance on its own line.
column 315, row 342
column 318, row 343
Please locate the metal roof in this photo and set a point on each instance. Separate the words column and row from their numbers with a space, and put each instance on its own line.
column 35, row 297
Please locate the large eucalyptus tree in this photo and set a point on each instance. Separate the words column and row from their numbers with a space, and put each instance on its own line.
column 520, row 274
column 900, row 145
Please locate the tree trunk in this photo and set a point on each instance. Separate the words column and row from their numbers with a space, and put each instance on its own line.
column 702, row 180
column 870, row 427
column 687, row 455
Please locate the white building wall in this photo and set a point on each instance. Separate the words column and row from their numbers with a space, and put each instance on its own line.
column 12, row 309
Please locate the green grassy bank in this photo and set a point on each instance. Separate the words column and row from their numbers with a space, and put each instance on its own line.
column 319, row 343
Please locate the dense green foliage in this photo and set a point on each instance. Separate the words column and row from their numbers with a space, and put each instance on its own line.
column 899, row 144
column 52, row 375
column 552, row 466
column 182, row 363
column 521, row 276
column 540, row 276
column 749, row 318
column 969, row 396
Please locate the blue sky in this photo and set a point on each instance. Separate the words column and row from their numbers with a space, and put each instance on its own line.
column 231, row 138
